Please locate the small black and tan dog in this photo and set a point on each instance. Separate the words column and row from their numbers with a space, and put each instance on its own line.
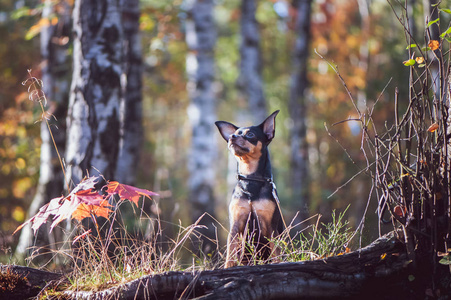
column 254, row 212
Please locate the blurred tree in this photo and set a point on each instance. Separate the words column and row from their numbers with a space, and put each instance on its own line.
column 131, row 103
column 298, row 106
column 250, row 80
column 55, row 69
column 200, row 67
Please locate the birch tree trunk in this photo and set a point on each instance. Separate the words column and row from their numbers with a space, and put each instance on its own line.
column 201, row 40
column 297, row 105
column 131, row 105
column 93, row 133
column 55, row 78
column 250, row 80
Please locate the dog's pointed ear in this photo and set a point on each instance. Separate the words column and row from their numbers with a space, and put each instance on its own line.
column 226, row 129
column 269, row 126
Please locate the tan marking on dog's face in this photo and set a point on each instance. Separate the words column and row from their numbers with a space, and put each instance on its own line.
column 264, row 209
column 248, row 163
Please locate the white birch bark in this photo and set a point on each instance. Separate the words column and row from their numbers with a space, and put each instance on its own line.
column 93, row 121
column 200, row 67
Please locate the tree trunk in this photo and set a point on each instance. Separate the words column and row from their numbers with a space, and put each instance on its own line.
column 297, row 105
column 201, row 40
column 55, row 78
column 250, row 81
column 131, row 105
column 94, row 107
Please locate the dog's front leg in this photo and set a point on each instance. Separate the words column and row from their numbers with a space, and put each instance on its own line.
column 239, row 211
column 233, row 245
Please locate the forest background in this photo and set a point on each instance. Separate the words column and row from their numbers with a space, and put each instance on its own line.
column 362, row 38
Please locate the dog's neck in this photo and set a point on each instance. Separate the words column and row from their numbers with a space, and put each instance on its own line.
column 256, row 168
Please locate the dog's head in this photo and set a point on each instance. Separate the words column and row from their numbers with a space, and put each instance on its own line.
column 248, row 142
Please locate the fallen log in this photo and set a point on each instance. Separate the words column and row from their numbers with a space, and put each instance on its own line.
column 371, row 271
column 19, row 282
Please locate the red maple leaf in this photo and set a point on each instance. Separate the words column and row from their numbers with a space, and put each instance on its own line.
column 128, row 192
column 83, row 202
column 85, row 210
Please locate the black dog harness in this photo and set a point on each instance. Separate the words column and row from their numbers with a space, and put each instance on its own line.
column 261, row 179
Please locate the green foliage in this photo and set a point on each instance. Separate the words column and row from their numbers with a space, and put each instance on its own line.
column 319, row 241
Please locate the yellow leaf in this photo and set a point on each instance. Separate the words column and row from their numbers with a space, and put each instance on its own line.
column 433, row 127
column 433, row 45
column 419, row 59
column 383, row 256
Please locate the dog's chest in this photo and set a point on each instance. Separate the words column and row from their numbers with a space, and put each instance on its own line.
column 253, row 191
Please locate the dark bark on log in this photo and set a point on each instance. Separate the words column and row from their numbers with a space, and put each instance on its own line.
column 373, row 271
column 29, row 282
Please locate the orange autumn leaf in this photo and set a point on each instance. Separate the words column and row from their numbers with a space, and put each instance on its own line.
column 400, row 210
column 82, row 202
column 128, row 192
column 433, row 127
column 86, row 211
column 433, row 45
column 419, row 59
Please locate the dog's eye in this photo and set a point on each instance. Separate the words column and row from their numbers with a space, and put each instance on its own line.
column 250, row 135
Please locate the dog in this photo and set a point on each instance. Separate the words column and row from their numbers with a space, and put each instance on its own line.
column 254, row 211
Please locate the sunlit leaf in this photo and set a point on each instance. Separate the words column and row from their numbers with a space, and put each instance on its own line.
column 128, row 192
column 446, row 260
column 36, row 29
column 86, row 211
column 434, row 45
column 433, row 127
column 82, row 202
column 446, row 10
column 409, row 62
column 447, row 31
column 419, row 59
column 411, row 46
column 432, row 22
column 383, row 256
column 424, row 49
